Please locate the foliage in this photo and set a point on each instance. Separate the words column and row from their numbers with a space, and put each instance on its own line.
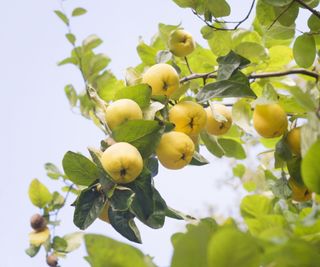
column 272, row 62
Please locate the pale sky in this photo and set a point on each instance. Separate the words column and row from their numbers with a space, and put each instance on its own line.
column 39, row 126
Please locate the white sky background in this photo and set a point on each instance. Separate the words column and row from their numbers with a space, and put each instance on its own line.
column 38, row 125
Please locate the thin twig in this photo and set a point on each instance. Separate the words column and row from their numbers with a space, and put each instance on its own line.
column 281, row 14
column 254, row 76
column 188, row 65
column 226, row 22
column 312, row 10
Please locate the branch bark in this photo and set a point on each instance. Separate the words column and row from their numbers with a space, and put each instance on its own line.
column 312, row 10
column 309, row 73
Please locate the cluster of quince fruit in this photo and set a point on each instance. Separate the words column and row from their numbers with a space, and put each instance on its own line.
column 270, row 120
column 122, row 161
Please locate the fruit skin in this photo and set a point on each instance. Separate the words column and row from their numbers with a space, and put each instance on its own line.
column 162, row 78
column 214, row 126
column 52, row 260
column 300, row 193
column 270, row 120
column 122, row 110
column 294, row 140
column 189, row 117
column 123, row 162
column 37, row 222
column 181, row 43
column 104, row 213
column 175, row 150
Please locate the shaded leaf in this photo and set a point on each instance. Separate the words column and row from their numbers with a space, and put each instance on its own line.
column 88, row 207
column 123, row 223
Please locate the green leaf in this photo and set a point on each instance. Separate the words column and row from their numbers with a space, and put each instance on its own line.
column 288, row 14
column 53, row 171
column 269, row 222
column 283, row 150
column 310, row 168
column 88, row 207
column 32, row 250
column 232, row 148
column 239, row 170
column 229, row 64
column 123, row 223
column 57, row 201
column 242, row 114
column 220, row 43
column 147, row 54
column 71, row 38
column 69, row 60
column 254, row 206
column 190, row 247
column 153, row 166
column 294, row 169
column 73, row 240
column 121, row 198
column 231, row 247
column 62, row 16
column 304, row 99
column 163, row 56
column 198, row 159
column 59, row 244
column 79, row 169
column 304, row 50
column 91, row 42
column 314, row 23
column 283, row 254
column 212, row 144
column 278, row 2
column 107, row 85
column 219, row 8
column 39, row 194
column 186, row 3
column 78, row 11
column 236, row 86
column 106, row 252
column 252, row 51
column 71, row 95
column 147, row 205
column 281, row 188
column 142, row 134
column 141, row 94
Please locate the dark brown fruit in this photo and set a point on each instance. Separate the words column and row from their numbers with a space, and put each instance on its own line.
column 52, row 260
column 38, row 223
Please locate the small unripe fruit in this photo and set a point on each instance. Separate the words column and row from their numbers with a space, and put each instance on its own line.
column 293, row 140
column 52, row 260
column 37, row 222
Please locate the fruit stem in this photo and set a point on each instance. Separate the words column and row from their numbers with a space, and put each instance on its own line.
column 188, row 65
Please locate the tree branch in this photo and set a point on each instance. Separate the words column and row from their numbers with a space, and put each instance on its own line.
column 208, row 75
column 227, row 22
column 312, row 10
